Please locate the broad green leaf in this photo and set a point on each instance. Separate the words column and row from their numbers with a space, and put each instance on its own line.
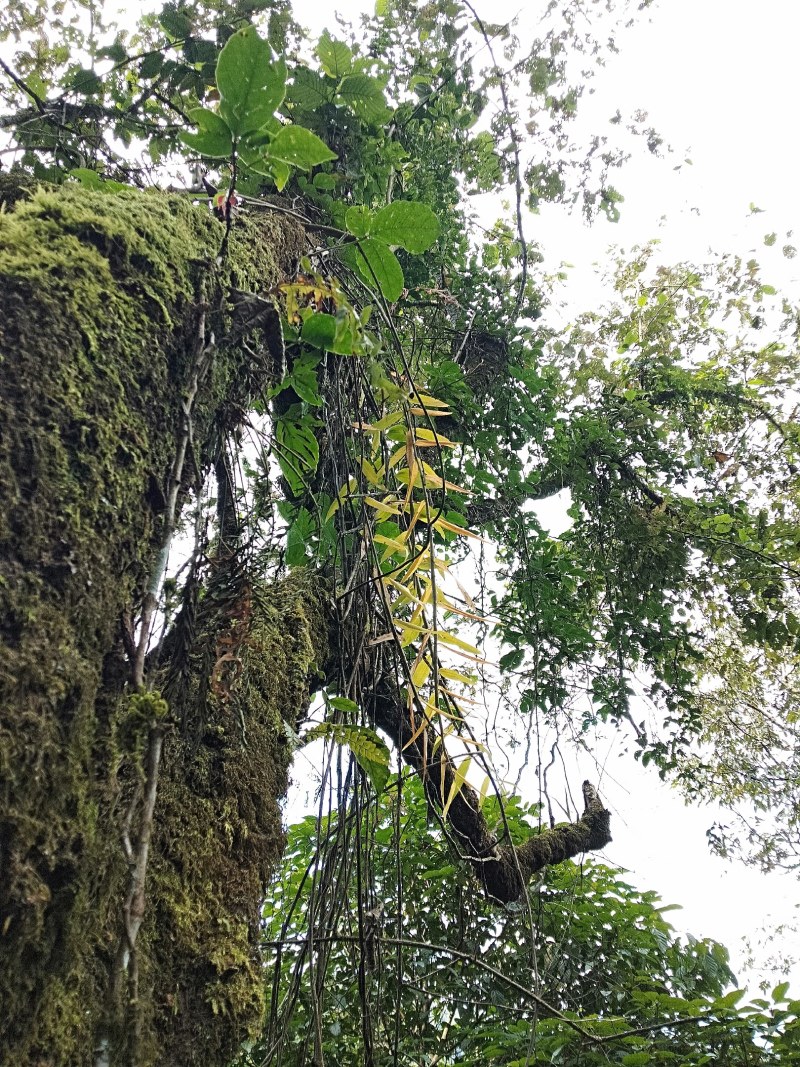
column 151, row 65
column 298, row 538
column 251, row 83
column 363, row 94
column 213, row 138
column 175, row 20
column 342, row 704
column 299, row 147
column 308, row 90
column 325, row 181
column 85, row 81
column 409, row 225
column 303, row 379
column 335, row 57
column 378, row 265
column 319, row 330
column 358, row 220
column 92, row 179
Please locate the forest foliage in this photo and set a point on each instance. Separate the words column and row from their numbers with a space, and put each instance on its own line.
column 423, row 409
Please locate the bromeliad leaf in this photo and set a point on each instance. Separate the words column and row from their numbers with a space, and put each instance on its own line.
column 213, row 138
column 409, row 225
column 299, row 147
column 252, row 84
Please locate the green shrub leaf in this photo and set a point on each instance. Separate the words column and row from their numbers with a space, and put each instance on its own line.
column 299, row 147
column 409, row 225
column 213, row 137
column 251, row 82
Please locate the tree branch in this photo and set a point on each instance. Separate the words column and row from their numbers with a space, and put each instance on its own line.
column 502, row 869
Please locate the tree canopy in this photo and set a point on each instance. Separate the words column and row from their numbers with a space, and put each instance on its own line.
column 361, row 406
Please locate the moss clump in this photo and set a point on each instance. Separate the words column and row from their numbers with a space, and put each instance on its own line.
column 99, row 309
column 219, row 832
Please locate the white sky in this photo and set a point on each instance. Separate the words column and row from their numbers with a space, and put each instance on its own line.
column 719, row 81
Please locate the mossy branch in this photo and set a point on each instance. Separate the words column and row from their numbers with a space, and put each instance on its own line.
column 503, row 869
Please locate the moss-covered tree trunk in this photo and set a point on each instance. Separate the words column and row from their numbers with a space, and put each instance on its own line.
column 103, row 302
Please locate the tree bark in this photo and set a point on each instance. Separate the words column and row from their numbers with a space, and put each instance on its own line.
column 101, row 306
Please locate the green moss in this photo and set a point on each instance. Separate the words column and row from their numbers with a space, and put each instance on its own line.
column 220, row 828
column 99, row 308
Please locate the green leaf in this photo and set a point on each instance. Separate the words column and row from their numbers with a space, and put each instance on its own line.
column 319, row 330
column 92, row 179
column 303, row 378
column 298, row 538
column 298, row 450
column 299, row 147
column 85, row 81
column 151, row 65
column 335, row 57
column 363, row 94
column 370, row 751
column 251, row 83
column 199, row 50
column 409, row 225
column 342, row 704
column 779, row 992
column 378, row 265
column 213, row 138
column 308, row 90
column 175, row 21
column 511, row 660
column 325, row 181
column 358, row 220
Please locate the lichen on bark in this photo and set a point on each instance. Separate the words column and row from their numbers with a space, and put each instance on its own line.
column 99, row 302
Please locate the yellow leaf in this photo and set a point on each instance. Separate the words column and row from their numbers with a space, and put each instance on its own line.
column 459, row 777
column 392, row 544
column 428, row 439
column 374, row 476
column 430, row 401
column 346, row 489
column 456, row 642
column 420, row 672
column 382, row 507
column 457, row 676
column 443, row 524
column 388, row 420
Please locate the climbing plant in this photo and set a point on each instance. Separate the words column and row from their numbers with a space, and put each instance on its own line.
column 359, row 511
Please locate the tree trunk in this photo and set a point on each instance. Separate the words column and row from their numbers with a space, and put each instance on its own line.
column 104, row 305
